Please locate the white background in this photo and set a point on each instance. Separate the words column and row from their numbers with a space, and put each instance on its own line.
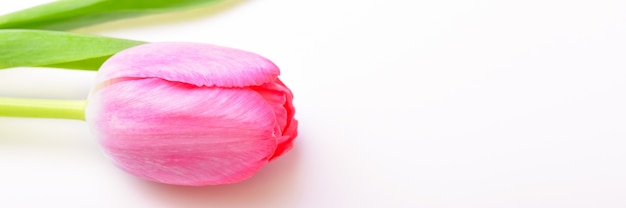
column 449, row 103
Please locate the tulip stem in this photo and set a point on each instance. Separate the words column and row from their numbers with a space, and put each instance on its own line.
column 42, row 108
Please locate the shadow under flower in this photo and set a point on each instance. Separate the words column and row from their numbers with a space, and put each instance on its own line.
column 272, row 186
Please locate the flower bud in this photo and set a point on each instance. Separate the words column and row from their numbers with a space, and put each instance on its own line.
column 190, row 113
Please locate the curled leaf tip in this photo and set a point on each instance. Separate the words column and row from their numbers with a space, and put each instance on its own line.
column 19, row 47
column 72, row 14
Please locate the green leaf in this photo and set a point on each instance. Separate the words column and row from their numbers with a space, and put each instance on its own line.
column 70, row 14
column 57, row 49
column 86, row 64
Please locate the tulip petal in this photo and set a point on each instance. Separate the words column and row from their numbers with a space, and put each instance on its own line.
column 277, row 100
column 177, row 133
column 280, row 98
column 194, row 63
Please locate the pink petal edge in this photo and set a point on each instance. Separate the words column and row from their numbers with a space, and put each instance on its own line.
column 194, row 63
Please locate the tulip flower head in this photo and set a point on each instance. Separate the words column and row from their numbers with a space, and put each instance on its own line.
column 190, row 113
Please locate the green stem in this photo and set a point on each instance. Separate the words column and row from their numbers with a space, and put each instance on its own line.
column 41, row 108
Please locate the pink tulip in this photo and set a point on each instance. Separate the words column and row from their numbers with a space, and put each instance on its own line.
column 191, row 114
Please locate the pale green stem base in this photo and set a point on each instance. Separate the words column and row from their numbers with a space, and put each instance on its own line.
column 41, row 108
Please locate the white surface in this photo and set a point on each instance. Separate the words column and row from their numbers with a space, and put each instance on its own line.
column 448, row 103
